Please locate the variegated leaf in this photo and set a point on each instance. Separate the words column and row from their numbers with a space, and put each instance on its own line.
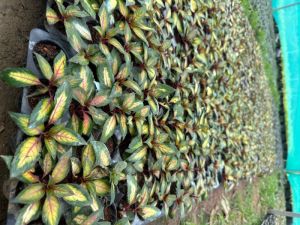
column 41, row 112
column 108, row 128
column 52, row 210
column 62, row 168
column 29, row 213
column 22, row 121
column 102, row 187
column 132, row 189
column 62, row 101
column 66, row 136
column 19, row 77
column 27, row 154
column 102, row 154
column 149, row 212
column 80, row 196
column 32, row 193
column 88, row 159
column 60, row 63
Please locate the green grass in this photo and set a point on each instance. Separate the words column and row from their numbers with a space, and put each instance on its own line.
column 254, row 20
column 248, row 206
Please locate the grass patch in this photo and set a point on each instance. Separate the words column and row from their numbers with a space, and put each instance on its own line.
column 261, row 37
column 248, row 206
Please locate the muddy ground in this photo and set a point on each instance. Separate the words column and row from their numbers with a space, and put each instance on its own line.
column 17, row 18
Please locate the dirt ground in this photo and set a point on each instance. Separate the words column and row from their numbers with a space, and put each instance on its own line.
column 17, row 18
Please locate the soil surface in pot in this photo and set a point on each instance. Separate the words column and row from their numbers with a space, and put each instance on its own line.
column 17, row 18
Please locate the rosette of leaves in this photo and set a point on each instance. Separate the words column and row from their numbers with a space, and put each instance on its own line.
column 153, row 108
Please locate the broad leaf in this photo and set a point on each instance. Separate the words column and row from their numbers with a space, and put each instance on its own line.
column 19, row 77
column 60, row 63
column 132, row 189
column 29, row 213
column 62, row 168
column 41, row 112
column 108, row 128
column 80, row 196
column 66, row 136
column 30, row 194
column 44, row 66
column 88, row 159
column 62, row 101
column 27, row 154
column 51, row 16
column 149, row 212
column 22, row 121
column 102, row 154
column 52, row 210
column 102, row 187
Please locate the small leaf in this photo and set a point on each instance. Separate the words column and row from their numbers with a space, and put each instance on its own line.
column 80, row 196
column 47, row 164
column 52, row 17
column 102, row 154
column 51, row 146
column 60, row 63
column 52, row 210
column 134, row 86
column 62, row 101
column 163, row 90
column 101, row 99
column 27, row 154
column 29, row 213
column 149, row 212
column 138, row 155
column 98, row 115
column 166, row 148
column 22, row 121
column 62, row 168
column 140, row 34
column 92, row 219
column 30, row 194
column 108, row 128
column 103, row 16
column 88, row 159
column 19, row 77
column 66, row 136
column 41, row 112
column 131, row 189
column 101, row 187
column 44, row 66
column 86, row 4
column 105, row 75
column 87, row 124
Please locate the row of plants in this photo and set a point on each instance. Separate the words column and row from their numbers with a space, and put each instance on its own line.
column 162, row 101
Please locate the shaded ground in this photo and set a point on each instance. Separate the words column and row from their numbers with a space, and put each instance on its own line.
column 17, row 18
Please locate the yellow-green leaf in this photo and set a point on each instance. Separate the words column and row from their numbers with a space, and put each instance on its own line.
column 41, row 112
column 103, row 16
column 60, row 63
column 44, row 66
column 62, row 168
column 22, row 121
column 132, row 189
column 80, row 196
column 51, row 16
column 88, row 159
column 108, row 128
column 66, row 136
column 165, row 148
column 62, row 101
column 27, row 154
column 30, row 194
column 149, row 212
column 87, row 124
column 138, row 155
column 29, row 213
column 102, row 187
column 51, row 146
column 105, row 75
column 51, row 210
column 102, row 154
column 92, row 219
column 19, row 77
column 47, row 164
column 100, row 99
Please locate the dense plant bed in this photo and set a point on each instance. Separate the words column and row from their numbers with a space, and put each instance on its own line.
column 162, row 102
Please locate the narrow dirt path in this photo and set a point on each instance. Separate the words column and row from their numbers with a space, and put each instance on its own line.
column 17, row 18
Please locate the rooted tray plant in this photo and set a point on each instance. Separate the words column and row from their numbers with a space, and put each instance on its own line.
column 160, row 104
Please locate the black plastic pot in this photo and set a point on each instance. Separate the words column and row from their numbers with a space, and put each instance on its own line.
column 36, row 36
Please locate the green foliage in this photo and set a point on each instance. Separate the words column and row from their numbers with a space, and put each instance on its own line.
column 153, row 108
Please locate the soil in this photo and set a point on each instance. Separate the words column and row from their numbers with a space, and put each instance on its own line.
column 17, row 18
column 47, row 49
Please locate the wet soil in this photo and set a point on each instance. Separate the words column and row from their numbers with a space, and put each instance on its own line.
column 17, row 18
